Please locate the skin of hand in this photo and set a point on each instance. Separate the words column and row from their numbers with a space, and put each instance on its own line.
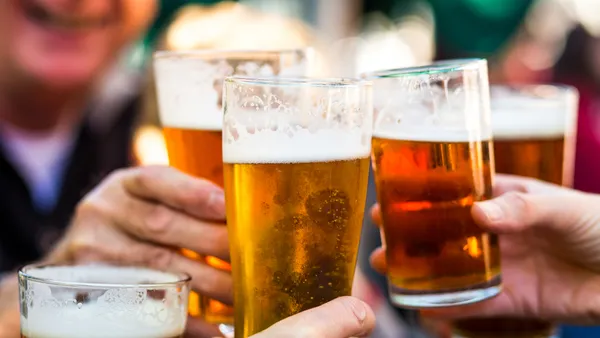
column 142, row 216
column 343, row 317
column 550, row 250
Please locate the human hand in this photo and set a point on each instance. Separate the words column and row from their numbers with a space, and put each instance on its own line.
column 343, row 317
column 550, row 247
column 142, row 216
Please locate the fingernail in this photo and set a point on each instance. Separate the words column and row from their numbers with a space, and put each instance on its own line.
column 492, row 211
column 217, row 203
column 360, row 312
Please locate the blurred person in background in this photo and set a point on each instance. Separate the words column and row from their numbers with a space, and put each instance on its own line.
column 54, row 56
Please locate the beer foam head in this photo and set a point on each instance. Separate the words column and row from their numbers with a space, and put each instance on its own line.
column 296, row 146
column 188, row 93
column 54, row 310
column 430, row 134
column 296, row 120
column 529, row 117
column 189, row 83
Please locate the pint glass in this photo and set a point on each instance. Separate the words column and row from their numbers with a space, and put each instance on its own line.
column 98, row 301
column 189, row 87
column 296, row 154
column 433, row 158
column 534, row 135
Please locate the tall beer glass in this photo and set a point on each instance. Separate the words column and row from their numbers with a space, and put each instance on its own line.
column 100, row 301
column 189, row 86
column 296, row 155
column 534, row 135
column 432, row 158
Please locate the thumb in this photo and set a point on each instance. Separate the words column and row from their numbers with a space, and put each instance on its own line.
column 515, row 212
column 341, row 318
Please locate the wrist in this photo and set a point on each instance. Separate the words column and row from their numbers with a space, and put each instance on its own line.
column 9, row 306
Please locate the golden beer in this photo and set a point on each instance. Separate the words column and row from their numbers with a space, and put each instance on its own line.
column 189, row 87
column 294, row 230
column 533, row 137
column 296, row 174
column 426, row 190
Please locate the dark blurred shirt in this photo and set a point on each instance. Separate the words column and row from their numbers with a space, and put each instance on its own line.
column 26, row 232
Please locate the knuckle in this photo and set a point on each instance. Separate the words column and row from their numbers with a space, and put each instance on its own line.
column 158, row 221
column 516, row 203
column 159, row 258
column 89, row 208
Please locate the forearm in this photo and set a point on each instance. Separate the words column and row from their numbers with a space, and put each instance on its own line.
column 9, row 306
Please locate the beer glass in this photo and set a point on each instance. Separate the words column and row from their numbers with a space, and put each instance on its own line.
column 433, row 158
column 189, row 86
column 102, row 301
column 534, row 130
column 296, row 154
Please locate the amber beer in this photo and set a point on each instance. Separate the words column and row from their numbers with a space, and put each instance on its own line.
column 296, row 175
column 432, row 159
column 426, row 189
column 189, row 87
column 534, row 134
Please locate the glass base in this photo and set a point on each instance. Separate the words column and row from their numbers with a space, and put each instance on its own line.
column 432, row 299
column 226, row 330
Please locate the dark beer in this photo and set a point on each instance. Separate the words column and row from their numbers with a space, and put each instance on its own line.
column 426, row 190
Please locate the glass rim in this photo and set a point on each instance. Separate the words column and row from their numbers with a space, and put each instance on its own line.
column 275, row 81
column 223, row 53
column 181, row 278
column 438, row 67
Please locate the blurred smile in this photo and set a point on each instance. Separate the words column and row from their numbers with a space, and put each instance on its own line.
column 39, row 13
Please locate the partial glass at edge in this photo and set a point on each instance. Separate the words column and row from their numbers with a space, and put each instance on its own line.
column 102, row 301
column 433, row 158
column 296, row 154
column 534, row 130
column 189, row 89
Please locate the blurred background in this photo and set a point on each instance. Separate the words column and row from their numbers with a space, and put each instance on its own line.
column 525, row 41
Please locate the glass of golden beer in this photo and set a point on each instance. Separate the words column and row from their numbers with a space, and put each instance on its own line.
column 102, row 301
column 296, row 154
column 189, row 91
column 534, row 129
column 432, row 158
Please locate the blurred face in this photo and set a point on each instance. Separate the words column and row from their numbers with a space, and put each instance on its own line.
column 67, row 43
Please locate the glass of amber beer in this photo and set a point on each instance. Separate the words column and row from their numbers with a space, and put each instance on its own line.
column 534, row 129
column 432, row 158
column 296, row 154
column 189, row 87
column 102, row 301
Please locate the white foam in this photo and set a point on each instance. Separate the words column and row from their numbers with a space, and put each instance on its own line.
column 187, row 93
column 110, row 313
column 524, row 115
column 300, row 146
